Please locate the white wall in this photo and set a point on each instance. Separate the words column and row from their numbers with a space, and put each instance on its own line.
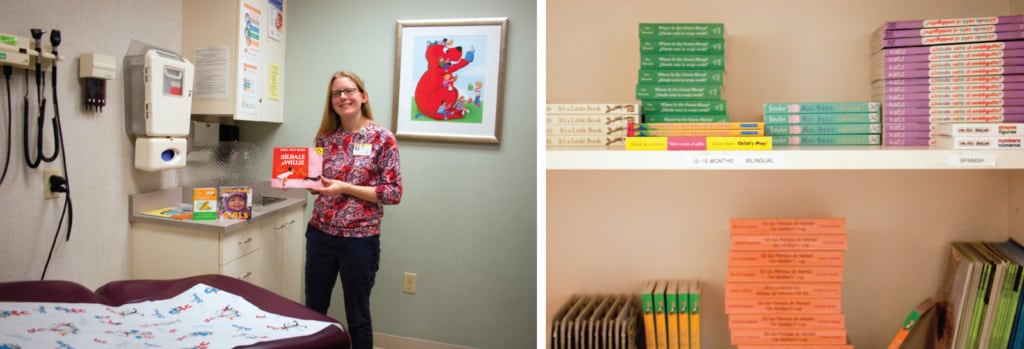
column 467, row 223
column 99, row 153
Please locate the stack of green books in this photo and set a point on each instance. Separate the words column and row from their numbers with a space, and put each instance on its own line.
column 682, row 72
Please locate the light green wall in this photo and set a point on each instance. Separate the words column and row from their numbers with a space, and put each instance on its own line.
column 467, row 222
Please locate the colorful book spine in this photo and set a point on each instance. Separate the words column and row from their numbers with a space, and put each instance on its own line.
column 952, row 22
column 647, row 76
column 583, row 119
column 788, row 242
column 739, row 143
column 681, row 61
column 953, row 64
column 693, row 132
column 784, row 274
column 672, row 313
column 682, row 30
column 946, row 80
column 683, row 297
column 791, row 337
column 948, row 88
column 981, row 46
column 803, row 346
column 695, row 45
column 963, row 30
column 979, row 129
column 908, row 134
column 825, row 118
column 593, row 108
column 584, row 130
column 984, row 94
column 678, row 92
column 783, row 306
column 680, row 118
column 956, row 103
column 787, row 226
column 827, row 140
column 698, row 143
column 953, row 39
column 948, row 56
column 785, row 258
column 647, row 310
column 907, row 142
column 904, row 127
column 697, row 126
column 660, row 325
column 998, row 117
column 787, row 321
column 1014, row 110
column 931, row 73
column 782, row 290
column 823, row 129
column 826, row 107
column 695, row 314
column 584, row 140
column 978, row 142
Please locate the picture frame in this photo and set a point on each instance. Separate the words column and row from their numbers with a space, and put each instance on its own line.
column 449, row 78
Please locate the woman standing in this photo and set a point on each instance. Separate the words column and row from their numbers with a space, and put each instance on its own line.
column 361, row 174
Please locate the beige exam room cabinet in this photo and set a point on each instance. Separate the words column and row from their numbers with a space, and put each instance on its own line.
column 267, row 253
column 237, row 48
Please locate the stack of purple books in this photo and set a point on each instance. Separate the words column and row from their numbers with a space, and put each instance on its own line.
column 941, row 71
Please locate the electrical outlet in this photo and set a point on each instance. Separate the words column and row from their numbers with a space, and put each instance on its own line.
column 47, row 173
column 409, row 283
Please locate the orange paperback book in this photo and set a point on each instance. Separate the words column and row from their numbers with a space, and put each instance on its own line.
column 787, row 226
column 788, row 242
column 783, row 306
column 785, row 258
column 787, row 321
column 782, row 290
column 812, row 346
column 784, row 274
column 771, row 336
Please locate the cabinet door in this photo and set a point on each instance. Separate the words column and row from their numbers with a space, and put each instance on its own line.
column 164, row 252
column 287, row 231
column 252, row 268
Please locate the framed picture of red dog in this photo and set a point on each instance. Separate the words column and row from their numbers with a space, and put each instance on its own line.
column 449, row 78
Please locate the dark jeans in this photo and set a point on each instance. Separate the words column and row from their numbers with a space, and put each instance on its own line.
column 356, row 260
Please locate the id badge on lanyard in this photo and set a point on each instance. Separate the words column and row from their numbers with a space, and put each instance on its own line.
column 362, row 149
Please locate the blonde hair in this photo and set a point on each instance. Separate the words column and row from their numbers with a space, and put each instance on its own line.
column 331, row 121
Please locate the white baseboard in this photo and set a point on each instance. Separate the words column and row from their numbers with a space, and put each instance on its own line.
column 387, row 341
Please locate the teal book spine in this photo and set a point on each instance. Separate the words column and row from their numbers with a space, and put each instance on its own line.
column 674, row 61
column 697, row 45
column 684, row 107
column 703, row 77
column 682, row 30
column 644, row 92
column 824, row 107
column 823, row 129
column 824, row 118
column 827, row 140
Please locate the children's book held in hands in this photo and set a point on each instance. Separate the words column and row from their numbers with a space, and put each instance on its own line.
column 297, row 167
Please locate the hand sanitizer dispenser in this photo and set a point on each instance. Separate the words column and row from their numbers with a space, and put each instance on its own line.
column 158, row 90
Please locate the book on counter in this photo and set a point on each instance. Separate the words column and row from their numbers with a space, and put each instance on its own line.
column 183, row 211
column 300, row 167
column 204, row 204
column 235, row 202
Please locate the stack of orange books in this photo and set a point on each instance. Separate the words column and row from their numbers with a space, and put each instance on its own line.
column 784, row 282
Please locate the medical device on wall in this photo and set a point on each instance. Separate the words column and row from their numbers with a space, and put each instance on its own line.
column 95, row 70
column 158, row 106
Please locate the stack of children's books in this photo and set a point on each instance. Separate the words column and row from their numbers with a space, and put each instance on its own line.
column 958, row 70
column 981, row 296
column 595, row 321
column 784, row 283
column 823, row 123
column 594, row 125
column 671, row 314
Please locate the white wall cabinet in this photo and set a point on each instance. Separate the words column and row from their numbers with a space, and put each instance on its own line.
column 238, row 50
column 267, row 253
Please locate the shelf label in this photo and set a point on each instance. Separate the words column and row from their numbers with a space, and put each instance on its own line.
column 972, row 160
column 727, row 160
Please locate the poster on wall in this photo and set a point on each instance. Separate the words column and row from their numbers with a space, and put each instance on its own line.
column 448, row 86
column 276, row 16
column 250, row 38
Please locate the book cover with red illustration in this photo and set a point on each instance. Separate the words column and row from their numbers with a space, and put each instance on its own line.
column 297, row 167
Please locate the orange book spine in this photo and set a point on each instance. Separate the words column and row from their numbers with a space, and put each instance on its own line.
column 790, row 290
column 811, row 346
column 785, row 258
column 787, row 226
column 783, row 306
column 784, row 274
column 745, row 337
column 787, row 321
column 788, row 242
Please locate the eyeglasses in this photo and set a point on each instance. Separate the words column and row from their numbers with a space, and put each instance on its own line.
column 345, row 92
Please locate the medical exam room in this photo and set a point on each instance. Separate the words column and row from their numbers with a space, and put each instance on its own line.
column 268, row 174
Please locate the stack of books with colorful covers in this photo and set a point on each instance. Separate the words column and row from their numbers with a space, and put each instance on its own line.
column 997, row 135
column 595, row 321
column 823, row 123
column 671, row 314
column 981, row 296
column 784, row 283
column 682, row 72
column 589, row 124
column 697, row 136
column 962, row 70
